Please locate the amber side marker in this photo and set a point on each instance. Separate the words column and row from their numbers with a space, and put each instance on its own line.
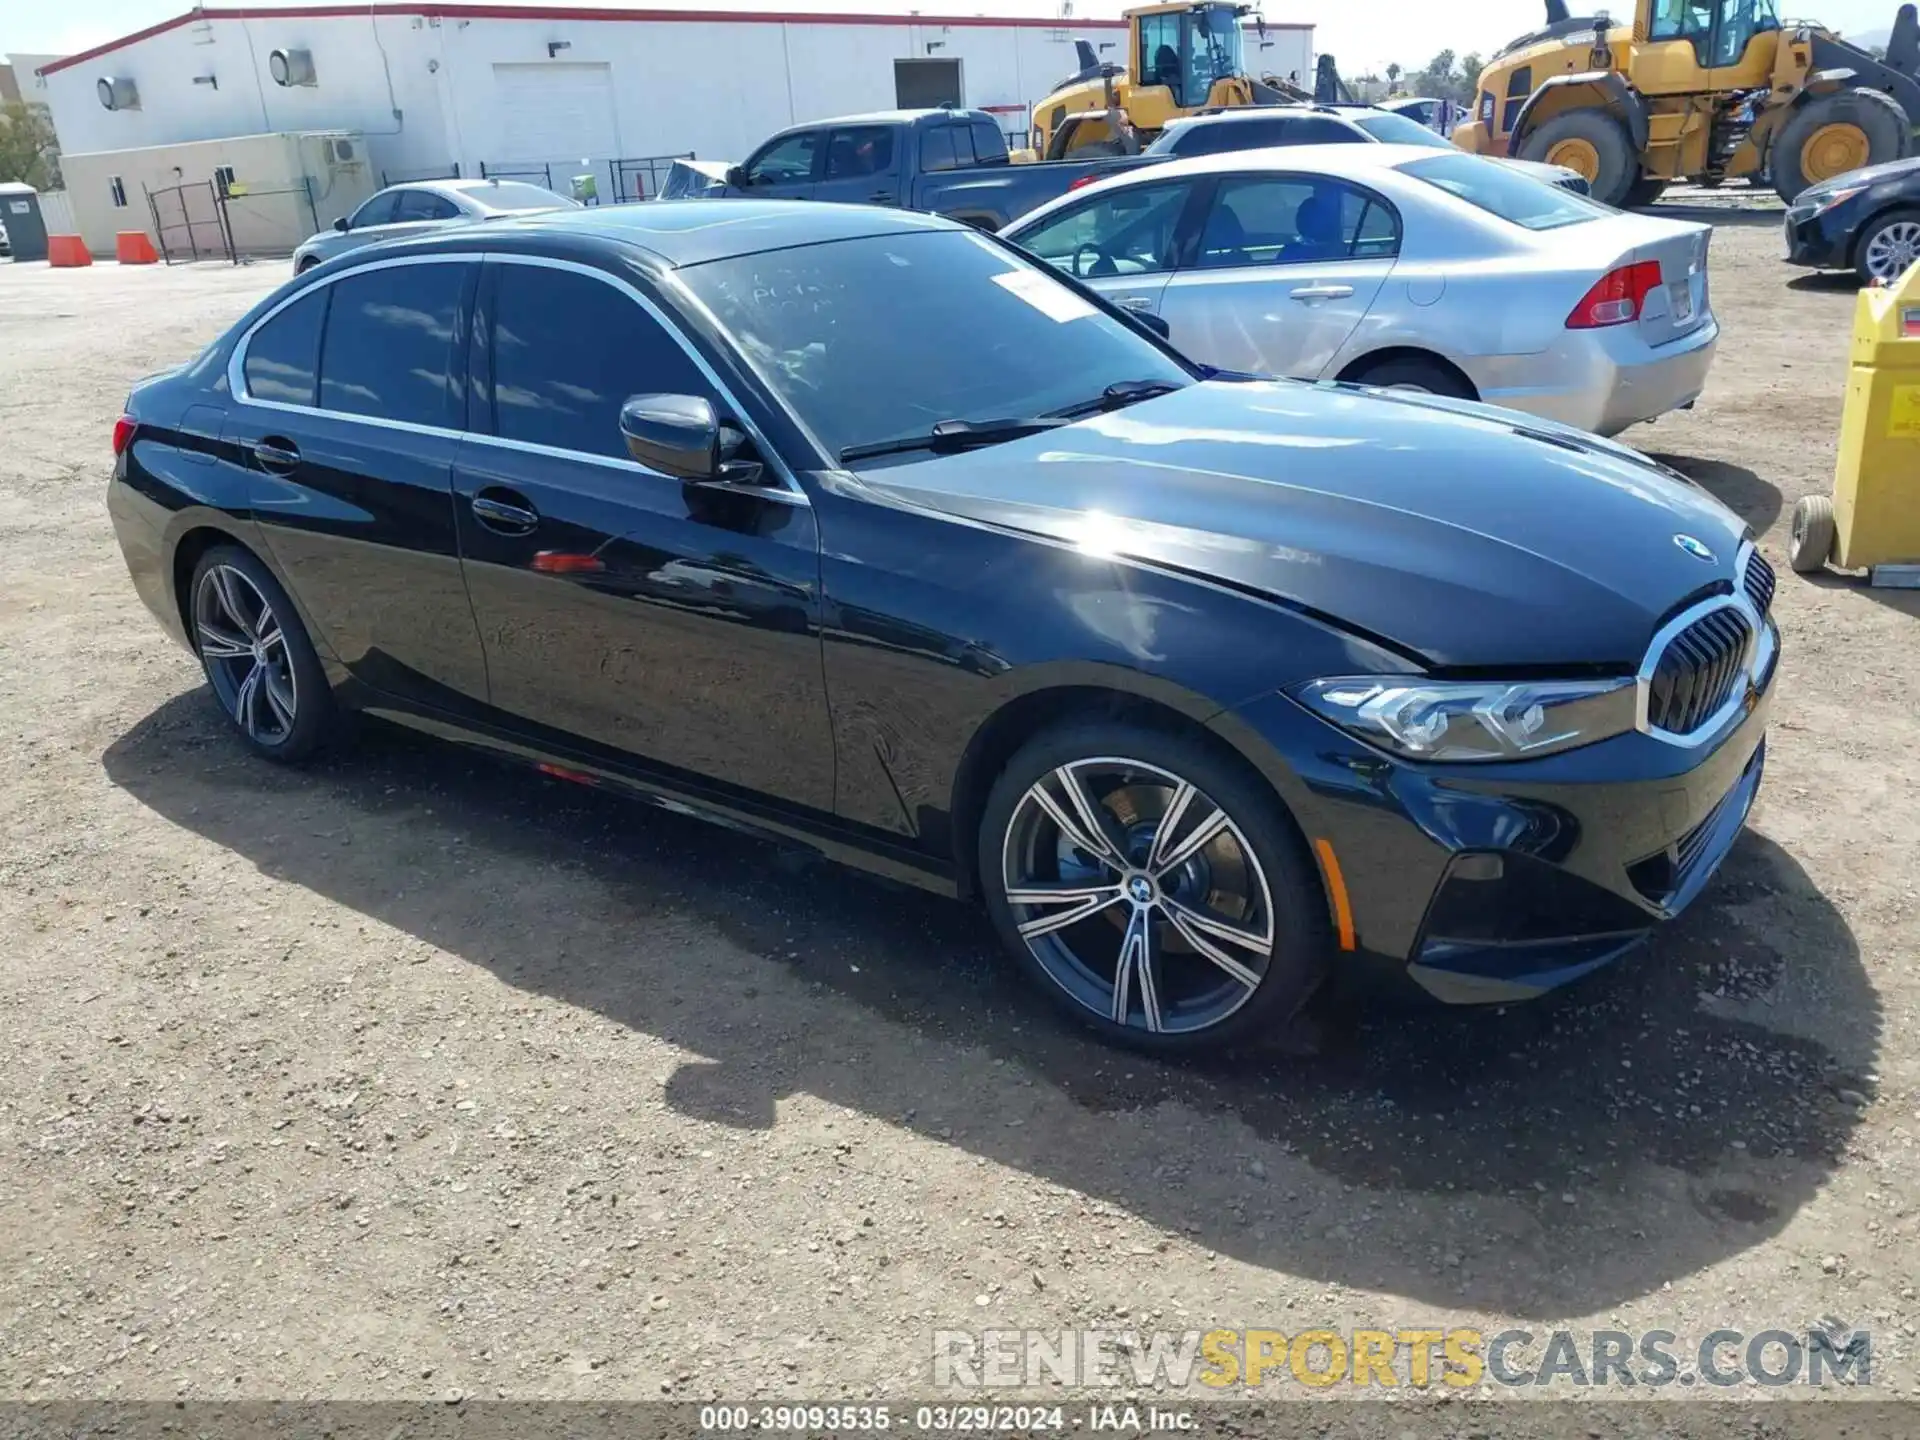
column 1336, row 891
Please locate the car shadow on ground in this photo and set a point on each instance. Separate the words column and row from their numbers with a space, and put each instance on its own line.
column 1825, row 281
column 1646, row 1125
column 1907, row 602
column 1754, row 500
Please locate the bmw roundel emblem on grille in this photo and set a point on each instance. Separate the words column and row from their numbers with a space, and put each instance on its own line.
column 1694, row 548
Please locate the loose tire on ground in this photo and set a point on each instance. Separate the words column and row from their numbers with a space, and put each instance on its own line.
column 1133, row 775
column 1811, row 542
column 1645, row 191
column 1831, row 134
column 243, row 624
column 1613, row 163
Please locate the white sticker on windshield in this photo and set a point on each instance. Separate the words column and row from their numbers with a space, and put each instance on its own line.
column 1052, row 300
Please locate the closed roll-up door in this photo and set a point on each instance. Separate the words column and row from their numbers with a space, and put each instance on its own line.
column 553, row 113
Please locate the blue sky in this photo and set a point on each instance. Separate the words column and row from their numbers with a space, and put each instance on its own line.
column 1361, row 34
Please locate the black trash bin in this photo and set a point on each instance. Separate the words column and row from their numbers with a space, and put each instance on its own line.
column 26, row 227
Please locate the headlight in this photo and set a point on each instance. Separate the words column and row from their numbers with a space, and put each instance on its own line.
column 1827, row 199
column 1472, row 719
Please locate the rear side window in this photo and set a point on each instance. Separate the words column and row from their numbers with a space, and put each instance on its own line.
column 389, row 351
column 1292, row 220
column 568, row 352
column 989, row 145
column 424, row 205
column 283, row 357
column 1231, row 135
column 1322, row 130
column 1506, row 192
column 866, row 151
column 946, row 147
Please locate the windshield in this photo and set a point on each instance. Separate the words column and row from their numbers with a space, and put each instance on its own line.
column 514, row 195
column 1392, row 129
column 1217, row 50
column 1504, row 191
column 872, row 339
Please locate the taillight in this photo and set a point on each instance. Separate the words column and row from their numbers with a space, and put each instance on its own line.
column 1616, row 296
column 122, row 433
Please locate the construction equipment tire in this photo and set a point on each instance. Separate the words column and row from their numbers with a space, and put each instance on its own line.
column 1834, row 133
column 1592, row 142
column 1645, row 191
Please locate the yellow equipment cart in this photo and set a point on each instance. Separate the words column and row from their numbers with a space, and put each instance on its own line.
column 1872, row 522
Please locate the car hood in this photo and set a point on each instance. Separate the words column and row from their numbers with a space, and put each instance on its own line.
column 1867, row 175
column 1539, row 170
column 1466, row 535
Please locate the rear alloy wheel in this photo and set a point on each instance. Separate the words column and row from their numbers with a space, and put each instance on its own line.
column 1592, row 142
column 1157, row 892
column 258, row 659
column 1889, row 247
column 1834, row 133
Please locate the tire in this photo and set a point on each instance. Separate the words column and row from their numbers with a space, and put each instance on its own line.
column 1888, row 245
column 1882, row 135
column 1262, row 946
column 1602, row 144
column 1811, row 541
column 271, row 690
column 1645, row 191
column 305, row 265
column 1426, row 377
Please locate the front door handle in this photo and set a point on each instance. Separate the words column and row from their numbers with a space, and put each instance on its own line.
column 275, row 454
column 1322, row 292
column 880, row 197
column 1136, row 302
column 504, row 511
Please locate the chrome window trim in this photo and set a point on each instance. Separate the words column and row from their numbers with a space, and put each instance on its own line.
column 1762, row 649
column 789, row 492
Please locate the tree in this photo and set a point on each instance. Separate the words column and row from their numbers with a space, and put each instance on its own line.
column 1470, row 67
column 1393, row 74
column 27, row 148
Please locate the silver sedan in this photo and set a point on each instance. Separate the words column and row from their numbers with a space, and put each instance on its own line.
column 1402, row 267
column 424, row 205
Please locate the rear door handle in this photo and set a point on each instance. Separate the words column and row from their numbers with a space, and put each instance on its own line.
column 1322, row 292
column 504, row 511
column 277, row 455
column 1136, row 302
column 880, row 197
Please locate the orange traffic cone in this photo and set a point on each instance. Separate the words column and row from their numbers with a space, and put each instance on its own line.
column 132, row 247
column 67, row 250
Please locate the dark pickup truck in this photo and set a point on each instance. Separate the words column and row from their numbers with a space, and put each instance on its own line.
column 950, row 162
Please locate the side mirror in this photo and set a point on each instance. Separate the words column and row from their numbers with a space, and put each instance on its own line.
column 1157, row 324
column 737, row 177
column 679, row 435
column 340, row 224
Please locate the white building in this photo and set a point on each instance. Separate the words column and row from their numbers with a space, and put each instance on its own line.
column 551, row 90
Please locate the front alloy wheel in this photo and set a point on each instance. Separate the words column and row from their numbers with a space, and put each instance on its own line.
column 1891, row 248
column 1144, row 902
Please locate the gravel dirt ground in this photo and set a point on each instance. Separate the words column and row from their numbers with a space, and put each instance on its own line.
column 410, row 1076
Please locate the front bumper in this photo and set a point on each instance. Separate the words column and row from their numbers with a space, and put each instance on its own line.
column 1820, row 239
column 1601, row 380
column 1498, row 883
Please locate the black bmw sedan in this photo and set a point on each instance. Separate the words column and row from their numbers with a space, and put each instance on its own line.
column 857, row 527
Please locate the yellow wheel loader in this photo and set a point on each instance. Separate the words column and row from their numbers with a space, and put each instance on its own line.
column 1181, row 59
column 1697, row 90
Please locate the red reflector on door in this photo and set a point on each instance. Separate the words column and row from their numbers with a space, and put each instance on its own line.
column 560, row 562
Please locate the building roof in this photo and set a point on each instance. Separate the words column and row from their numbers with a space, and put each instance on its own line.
column 588, row 12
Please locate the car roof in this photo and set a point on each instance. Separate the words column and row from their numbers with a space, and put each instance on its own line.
column 1320, row 159
column 676, row 233
column 890, row 117
column 1242, row 113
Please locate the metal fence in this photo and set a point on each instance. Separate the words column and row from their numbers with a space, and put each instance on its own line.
column 541, row 175
column 189, row 223
column 640, row 177
column 265, row 222
column 402, row 177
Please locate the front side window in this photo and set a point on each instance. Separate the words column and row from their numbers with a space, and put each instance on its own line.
column 1740, row 21
column 377, row 211
column 1215, row 52
column 867, row 150
column 1322, row 130
column 1201, row 138
column 787, row 162
column 1501, row 190
column 569, row 351
column 1285, row 220
column 417, row 205
column 283, row 357
column 389, row 351
column 872, row 339
column 1126, row 232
